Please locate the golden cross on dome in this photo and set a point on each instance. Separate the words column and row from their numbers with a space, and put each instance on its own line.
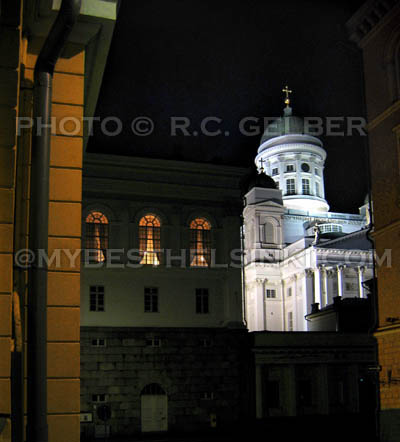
column 287, row 92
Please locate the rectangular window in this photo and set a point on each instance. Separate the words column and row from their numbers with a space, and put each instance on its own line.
column 317, row 190
column 99, row 397
column 290, row 187
column 153, row 342
column 202, row 301
column 316, row 171
column 306, row 186
column 290, row 168
column 99, row 342
column 207, row 395
column 96, row 298
column 151, row 299
column 275, row 171
column 270, row 293
column 289, row 291
column 290, row 321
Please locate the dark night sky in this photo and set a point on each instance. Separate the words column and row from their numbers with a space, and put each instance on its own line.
column 230, row 59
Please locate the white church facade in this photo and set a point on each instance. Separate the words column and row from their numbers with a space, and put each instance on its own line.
column 298, row 256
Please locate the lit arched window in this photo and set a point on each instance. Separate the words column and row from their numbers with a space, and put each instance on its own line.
column 149, row 239
column 200, row 242
column 96, row 235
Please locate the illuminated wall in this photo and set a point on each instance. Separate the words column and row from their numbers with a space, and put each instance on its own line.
column 18, row 55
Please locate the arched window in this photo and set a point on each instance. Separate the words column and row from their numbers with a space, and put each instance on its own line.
column 200, row 243
column 96, row 235
column 149, row 240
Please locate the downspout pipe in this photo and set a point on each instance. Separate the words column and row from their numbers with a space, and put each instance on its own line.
column 37, row 430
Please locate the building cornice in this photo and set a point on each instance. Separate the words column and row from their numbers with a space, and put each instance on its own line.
column 370, row 19
column 156, row 164
column 286, row 147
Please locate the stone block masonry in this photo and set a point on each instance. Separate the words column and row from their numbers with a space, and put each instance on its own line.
column 202, row 372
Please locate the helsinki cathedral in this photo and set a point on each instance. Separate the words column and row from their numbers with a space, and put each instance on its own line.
column 299, row 257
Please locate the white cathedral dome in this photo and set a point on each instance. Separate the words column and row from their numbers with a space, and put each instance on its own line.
column 295, row 160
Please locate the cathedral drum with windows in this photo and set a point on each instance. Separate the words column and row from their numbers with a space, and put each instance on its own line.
column 299, row 257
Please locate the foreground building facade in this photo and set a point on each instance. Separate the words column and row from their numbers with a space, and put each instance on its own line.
column 375, row 29
column 76, row 82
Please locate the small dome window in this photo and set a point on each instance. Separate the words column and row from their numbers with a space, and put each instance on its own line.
column 305, row 167
column 290, row 168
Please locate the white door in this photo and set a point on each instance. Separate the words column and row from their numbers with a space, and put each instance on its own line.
column 154, row 412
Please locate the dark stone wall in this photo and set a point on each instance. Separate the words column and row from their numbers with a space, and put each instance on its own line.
column 389, row 425
column 183, row 366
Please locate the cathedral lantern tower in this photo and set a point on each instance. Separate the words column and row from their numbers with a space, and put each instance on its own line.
column 295, row 160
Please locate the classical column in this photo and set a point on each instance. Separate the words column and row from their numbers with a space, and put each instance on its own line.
column 360, row 271
column 295, row 328
column 340, row 269
column 283, row 297
column 317, row 287
column 309, row 290
column 330, row 293
column 324, row 294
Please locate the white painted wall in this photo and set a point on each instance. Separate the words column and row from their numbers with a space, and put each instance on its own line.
column 124, row 298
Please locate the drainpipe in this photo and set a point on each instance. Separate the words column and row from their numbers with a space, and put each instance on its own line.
column 39, row 218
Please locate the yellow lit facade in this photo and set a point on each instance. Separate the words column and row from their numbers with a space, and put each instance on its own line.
column 18, row 55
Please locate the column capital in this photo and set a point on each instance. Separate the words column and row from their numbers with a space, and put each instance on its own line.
column 309, row 272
